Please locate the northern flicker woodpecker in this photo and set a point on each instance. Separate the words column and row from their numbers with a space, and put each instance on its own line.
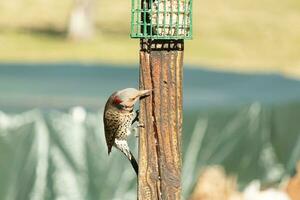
column 118, row 118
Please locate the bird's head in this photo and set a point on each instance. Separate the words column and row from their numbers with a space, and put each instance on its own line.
column 126, row 98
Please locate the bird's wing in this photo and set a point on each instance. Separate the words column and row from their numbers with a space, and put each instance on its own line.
column 111, row 126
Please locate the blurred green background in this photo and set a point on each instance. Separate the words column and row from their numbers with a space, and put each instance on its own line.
column 247, row 35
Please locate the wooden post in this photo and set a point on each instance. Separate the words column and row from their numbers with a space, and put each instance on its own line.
column 161, row 113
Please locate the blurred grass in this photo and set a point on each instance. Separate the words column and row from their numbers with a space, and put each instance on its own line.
column 31, row 47
column 248, row 35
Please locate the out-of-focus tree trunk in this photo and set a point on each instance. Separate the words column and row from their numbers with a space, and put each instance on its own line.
column 81, row 24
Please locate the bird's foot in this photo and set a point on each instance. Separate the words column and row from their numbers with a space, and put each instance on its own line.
column 135, row 128
column 141, row 125
column 137, row 134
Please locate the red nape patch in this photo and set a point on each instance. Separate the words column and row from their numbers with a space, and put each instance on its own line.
column 117, row 100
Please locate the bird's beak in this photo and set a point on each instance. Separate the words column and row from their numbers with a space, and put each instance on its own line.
column 143, row 93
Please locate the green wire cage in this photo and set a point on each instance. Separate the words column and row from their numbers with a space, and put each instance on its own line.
column 161, row 19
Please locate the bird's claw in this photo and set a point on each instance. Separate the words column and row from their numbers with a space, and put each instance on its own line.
column 140, row 125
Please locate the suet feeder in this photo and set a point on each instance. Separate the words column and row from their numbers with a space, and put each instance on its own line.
column 161, row 19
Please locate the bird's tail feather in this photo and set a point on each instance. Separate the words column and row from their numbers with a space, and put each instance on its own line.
column 134, row 164
column 123, row 147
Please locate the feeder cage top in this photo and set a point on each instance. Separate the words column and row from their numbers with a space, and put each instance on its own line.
column 161, row 19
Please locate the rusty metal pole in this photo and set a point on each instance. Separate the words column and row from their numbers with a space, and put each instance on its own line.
column 160, row 139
